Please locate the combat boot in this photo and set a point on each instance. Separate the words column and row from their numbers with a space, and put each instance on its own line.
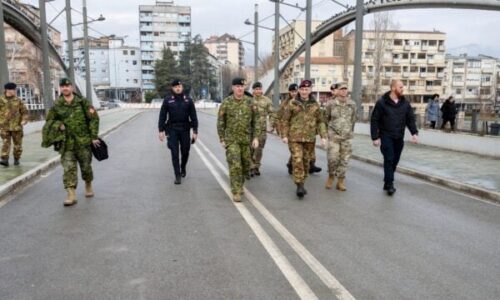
column 301, row 192
column 237, row 197
column 177, row 179
column 4, row 162
column 313, row 168
column 16, row 162
column 329, row 181
column 256, row 171
column 89, row 192
column 71, row 198
column 289, row 167
column 341, row 184
column 183, row 172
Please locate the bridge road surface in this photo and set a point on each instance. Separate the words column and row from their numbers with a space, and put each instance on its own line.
column 142, row 237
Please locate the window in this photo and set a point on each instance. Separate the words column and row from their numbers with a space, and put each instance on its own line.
column 136, row 81
column 458, row 91
column 421, row 56
column 132, row 52
column 433, row 43
column 125, row 52
column 134, row 62
column 398, row 42
column 485, row 91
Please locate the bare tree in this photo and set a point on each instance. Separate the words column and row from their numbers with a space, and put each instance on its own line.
column 266, row 64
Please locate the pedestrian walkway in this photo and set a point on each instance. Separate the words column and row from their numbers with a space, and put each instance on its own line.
column 34, row 155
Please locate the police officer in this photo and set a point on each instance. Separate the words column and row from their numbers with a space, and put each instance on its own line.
column 13, row 116
column 177, row 117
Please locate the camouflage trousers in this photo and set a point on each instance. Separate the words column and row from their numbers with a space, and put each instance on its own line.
column 70, row 160
column 301, row 157
column 311, row 161
column 257, row 153
column 17, row 138
column 238, row 160
column 338, row 154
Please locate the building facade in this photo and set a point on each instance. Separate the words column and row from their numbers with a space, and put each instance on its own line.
column 226, row 48
column 162, row 25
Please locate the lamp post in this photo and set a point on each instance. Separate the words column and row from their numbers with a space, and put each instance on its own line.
column 358, row 52
column 4, row 70
column 47, row 94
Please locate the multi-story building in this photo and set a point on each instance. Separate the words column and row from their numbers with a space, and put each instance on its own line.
column 226, row 48
column 161, row 25
column 98, row 59
column 415, row 57
column 329, row 61
column 473, row 80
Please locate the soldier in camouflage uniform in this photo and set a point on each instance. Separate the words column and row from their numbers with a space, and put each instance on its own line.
column 301, row 121
column 238, row 123
column 265, row 110
column 80, row 122
column 13, row 116
column 341, row 116
column 293, row 91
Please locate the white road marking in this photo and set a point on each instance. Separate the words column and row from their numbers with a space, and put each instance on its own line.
column 326, row 277
column 293, row 277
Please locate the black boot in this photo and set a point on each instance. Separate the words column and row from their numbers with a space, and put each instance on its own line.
column 177, row 179
column 313, row 168
column 252, row 172
column 290, row 169
column 386, row 186
column 16, row 162
column 4, row 162
column 300, row 190
column 390, row 189
column 256, row 171
column 183, row 172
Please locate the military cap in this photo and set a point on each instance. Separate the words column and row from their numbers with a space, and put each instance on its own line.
column 334, row 86
column 293, row 87
column 342, row 85
column 257, row 84
column 64, row 81
column 10, row 86
column 176, row 82
column 239, row 81
column 305, row 83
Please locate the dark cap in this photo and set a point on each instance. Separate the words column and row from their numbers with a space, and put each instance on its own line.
column 334, row 86
column 176, row 82
column 293, row 87
column 305, row 83
column 257, row 85
column 10, row 86
column 239, row 81
column 64, row 81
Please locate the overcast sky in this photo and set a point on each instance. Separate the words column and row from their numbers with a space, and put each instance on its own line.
column 476, row 32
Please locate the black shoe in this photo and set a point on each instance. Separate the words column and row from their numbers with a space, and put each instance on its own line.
column 391, row 190
column 300, row 190
column 314, row 169
column 386, row 186
column 183, row 172
column 177, row 179
column 16, row 162
column 256, row 172
column 290, row 169
column 4, row 162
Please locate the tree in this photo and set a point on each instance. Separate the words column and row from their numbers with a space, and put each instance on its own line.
column 165, row 71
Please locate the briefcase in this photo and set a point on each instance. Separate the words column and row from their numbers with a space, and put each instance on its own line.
column 100, row 152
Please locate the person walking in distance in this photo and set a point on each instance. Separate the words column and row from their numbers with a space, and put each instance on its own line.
column 392, row 113
column 177, row 117
column 432, row 110
column 449, row 111
column 239, row 128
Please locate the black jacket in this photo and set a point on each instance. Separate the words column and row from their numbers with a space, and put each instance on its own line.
column 178, row 111
column 390, row 119
column 449, row 110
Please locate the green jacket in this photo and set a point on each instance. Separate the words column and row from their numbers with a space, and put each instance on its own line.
column 302, row 120
column 265, row 109
column 80, row 120
column 52, row 135
column 12, row 113
column 238, row 121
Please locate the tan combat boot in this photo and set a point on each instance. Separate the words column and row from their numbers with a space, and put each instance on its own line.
column 236, row 197
column 89, row 192
column 329, row 182
column 341, row 185
column 71, row 198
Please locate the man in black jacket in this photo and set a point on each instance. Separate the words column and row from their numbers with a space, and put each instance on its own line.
column 392, row 113
column 177, row 117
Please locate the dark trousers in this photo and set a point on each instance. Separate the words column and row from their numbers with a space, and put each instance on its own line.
column 179, row 138
column 433, row 124
column 391, row 149
column 452, row 123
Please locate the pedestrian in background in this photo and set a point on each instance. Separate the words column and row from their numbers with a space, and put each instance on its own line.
column 449, row 111
column 392, row 113
column 13, row 116
column 432, row 110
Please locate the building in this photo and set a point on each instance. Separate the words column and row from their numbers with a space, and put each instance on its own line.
column 226, row 48
column 115, row 70
column 329, row 61
column 473, row 80
column 161, row 25
column 415, row 57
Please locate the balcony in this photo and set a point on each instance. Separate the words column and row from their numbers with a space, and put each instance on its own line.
column 458, row 70
column 396, row 60
column 425, row 47
column 440, row 75
column 407, row 47
column 413, row 87
column 430, row 88
column 146, row 38
column 430, row 61
column 486, row 83
column 146, row 28
column 388, row 74
column 413, row 61
column 487, row 70
column 146, row 18
column 457, row 83
column 406, row 74
column 442, row 48
column 148, row 76
column 423, row 74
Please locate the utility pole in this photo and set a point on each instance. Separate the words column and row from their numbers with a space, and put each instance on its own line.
column 47, row 89
column 69, row 29
column 276, row 92
column 307, row 61
column 4, row 69
column 358, row 48
column 87, row 55
column 256, row 43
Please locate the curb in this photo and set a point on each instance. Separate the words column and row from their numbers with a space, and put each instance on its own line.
column 21, row 181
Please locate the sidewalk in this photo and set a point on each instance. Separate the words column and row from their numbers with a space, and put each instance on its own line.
column 36, row 159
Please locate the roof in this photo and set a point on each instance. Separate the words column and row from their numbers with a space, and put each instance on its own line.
column 223, row 38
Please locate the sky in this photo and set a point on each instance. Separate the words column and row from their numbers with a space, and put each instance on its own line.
column 471, row 31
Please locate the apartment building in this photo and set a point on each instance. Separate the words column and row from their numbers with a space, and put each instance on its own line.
column 227, row 49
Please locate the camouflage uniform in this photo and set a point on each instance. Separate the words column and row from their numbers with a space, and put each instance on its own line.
column 81, row 124
column 265, row 109
column 12, row 113
column 279, row 122
column 341, row 118
column 237, row 124
column 301, row 121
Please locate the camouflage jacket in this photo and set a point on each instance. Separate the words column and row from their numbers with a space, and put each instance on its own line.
column 341, row 118
column 12, row 113
column 265, row 109
column 80, row 120
column 302, row 120
column 238, row 120
column 280, row 113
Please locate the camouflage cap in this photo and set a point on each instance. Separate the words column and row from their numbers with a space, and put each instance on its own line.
column 64, row 81
column 342, row 85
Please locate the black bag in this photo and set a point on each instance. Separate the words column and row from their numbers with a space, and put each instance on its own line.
column 101, row 152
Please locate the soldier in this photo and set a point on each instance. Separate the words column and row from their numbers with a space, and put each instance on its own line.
column 341, row 117
column 301, row 121
column 238, row 123
column 80, row 122
column 265, row 110
column 177, row 117
column 293, row 91
column 13, row 116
